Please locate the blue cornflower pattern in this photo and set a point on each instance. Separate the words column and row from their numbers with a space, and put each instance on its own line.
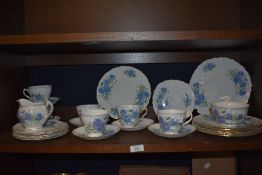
column 113, row 111
column 240, row 80
column 169, row 124
column 38, row 97
column 161, row 101
column 209, row 67
column 200, row 99
column 130, row 73
column 105, row 87
column 142, row 96
column 99, row 125
column 227, row 117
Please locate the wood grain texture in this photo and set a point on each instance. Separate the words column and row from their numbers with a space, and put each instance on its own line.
column 12, row 79
column 127, row 15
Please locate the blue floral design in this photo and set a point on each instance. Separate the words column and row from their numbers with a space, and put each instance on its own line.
column 209, row 67
column 38, row 97
column 240, row 81
column 200, row 99
column 161, row 101
column 30, row 118
column 99, row 125
column 129, row 116
column 130, row 73
column 168, row 124
column 105, row 87
column 142, row 96
column 227, row 117
column 113, row 111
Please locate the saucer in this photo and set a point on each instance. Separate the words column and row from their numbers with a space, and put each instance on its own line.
column 109, row 132
column 55, row 127
column 186, row 130
column 76, row 122
column 141, row 125
column 210, row 122
column 53, row 130
column 54, row 100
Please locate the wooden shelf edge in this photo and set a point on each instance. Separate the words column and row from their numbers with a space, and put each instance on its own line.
column 92, row 38
column 196, row 143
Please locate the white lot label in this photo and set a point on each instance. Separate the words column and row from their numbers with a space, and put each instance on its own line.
column 137, row 148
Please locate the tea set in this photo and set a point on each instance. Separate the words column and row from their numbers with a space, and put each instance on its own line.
column 219, row 89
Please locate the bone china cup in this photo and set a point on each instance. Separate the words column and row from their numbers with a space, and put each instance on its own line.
column 38, row 93
column 86, row 107
column 172, row 120
column 229, row 113
column 130, row 115
column 94, row 121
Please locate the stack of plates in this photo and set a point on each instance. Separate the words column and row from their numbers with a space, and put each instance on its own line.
column 53, row 130
column 207, row 124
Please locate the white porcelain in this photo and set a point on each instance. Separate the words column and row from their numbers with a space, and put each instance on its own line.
column 172, row 120
column 210, row 122
column 140, row 126
column 94, row 121
column 52, row 130
column 186, row 130
column 130, row 115
column 110, row 130
column 229, row 113
column 123, row 85
column 38, row 93
column 33, row 115
column 54, row 100
column 173, row 94
column 76, row 122
column 217, row 78
column 84, row 108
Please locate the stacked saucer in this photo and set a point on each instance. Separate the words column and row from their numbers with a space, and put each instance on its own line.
column 52, row 129
column 208, row 124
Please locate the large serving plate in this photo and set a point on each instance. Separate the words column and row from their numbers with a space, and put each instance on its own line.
column 123, row 85
column 217, row 78
column 173, row 94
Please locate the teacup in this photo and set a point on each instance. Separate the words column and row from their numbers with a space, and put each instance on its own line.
column 86, row 107
column 130, row 115
column 38, row 93
column 172, row 120
column 229, row 113
column 33, row 115
column 94, row 121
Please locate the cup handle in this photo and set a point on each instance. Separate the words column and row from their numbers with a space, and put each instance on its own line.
column 50, row 107
column 25, row 92
column 188, row 113
column 144, row 113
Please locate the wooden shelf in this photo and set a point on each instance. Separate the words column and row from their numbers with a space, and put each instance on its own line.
column 106, row 42
column 121, row 142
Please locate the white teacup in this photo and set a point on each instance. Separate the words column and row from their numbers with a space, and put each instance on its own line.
column 94, row 121
column 172, row 120
column 38, row 93
column 86, row 107
column 229, row 113
column 130, row 115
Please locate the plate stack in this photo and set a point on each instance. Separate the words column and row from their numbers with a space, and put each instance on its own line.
column 208, row 124
column 52, row 129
